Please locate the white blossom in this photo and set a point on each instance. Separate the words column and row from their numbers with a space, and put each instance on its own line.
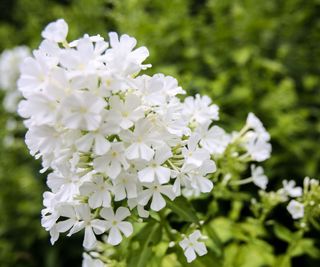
column 91, row 262
column 56, row 31
column 200, row 109
column 10, row 61
column 80, row 217
column 290, row 189
column 109, row 136
column 155, row 169
column 296, row 209
column 258, row 176
column 116, row 225
column 155, row 191
column 98, row 191
column 215, row 139
column 258, row 148
column 192, row 246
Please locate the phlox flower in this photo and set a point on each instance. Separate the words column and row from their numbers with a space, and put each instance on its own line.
column 200, row 109
column 80, row 217
column 296, row 209
column 258, row 176
column 290, row 189
column 155, row 191
column 56, row 31
column 116, row 225
column 155, row 169
column 192, row 246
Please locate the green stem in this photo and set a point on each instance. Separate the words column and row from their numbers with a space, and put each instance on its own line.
column 242, row 182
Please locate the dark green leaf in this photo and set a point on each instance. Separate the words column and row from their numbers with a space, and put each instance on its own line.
column 183, row 208
column 149, row 236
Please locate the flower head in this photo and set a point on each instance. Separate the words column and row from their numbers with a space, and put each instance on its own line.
column 110, row 137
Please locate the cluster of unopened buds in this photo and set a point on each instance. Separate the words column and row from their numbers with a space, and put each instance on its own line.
column 118, row 143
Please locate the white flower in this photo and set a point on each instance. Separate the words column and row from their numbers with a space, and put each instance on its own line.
column 80, row 218
column 258, row 176
column 82, row 111
column 197, row 175
column 191, row 246
column 43, row 109
column 90, row 262
column 10, row 61
column 258, row 148
column 125, row 186
column 290, row 188
column 133, row 203
column 98, row 191
column 200, row 110
column 254, row 123
column 56, row 31
column 140, row 139
column 215, row 139
column 34, row 75
column 125, row 114
column 155, row 191
column 112, row 162
column 155, row 168
column 43, row 139
column 64, row 183
column 107, row 134
column 121, row 59
column 156, row 90
column 85, row 60
column 193, row 154
column 296, row 209
column 116, row 225
column 97, row 139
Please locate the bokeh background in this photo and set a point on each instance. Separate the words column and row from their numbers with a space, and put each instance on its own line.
column 247, row 55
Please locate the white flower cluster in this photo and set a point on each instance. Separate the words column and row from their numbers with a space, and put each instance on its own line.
column 112, row 138
column 256, row 139
column 10, row 61
column 290, row 190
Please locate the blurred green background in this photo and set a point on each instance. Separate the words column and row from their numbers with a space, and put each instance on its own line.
column 247, row 55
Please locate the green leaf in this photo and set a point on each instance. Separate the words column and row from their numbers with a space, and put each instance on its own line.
column 283, row 233
column 183, row 208
column 217, row 245
column 148, row 236
column 305, row 246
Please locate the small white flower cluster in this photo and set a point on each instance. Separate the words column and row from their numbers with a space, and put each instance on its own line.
column 256, row 139
column 110, row 136
column 290, row 190
column 10, row 61
column 292, row 194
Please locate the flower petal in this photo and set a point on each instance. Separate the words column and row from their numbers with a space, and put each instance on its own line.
column 89, row 240
column 146, row 175
column 114, row 237
column 122, row 213
column 158, row 201
column 107, row 213
column 126, row 228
